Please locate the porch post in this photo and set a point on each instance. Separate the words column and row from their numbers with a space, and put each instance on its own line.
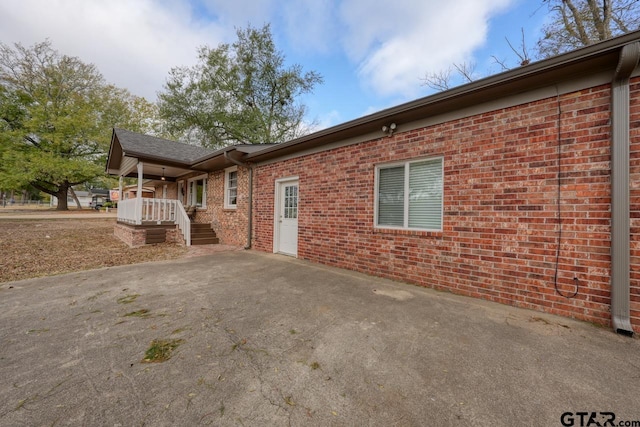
column 120, row 188
column 139, row 194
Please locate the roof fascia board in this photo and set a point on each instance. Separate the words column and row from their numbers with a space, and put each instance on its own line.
column 110, row 156
column 532, row 72
column 562, row 88
column 220, row 157
column 217, row 153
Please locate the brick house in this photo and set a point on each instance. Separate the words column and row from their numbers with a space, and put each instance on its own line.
column 521, row 188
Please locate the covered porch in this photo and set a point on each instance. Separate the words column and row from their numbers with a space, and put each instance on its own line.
column 157, row 163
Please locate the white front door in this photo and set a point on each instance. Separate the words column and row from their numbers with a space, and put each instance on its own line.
column 286, row 240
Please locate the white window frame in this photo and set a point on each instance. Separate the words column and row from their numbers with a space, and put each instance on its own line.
column 190, row 195
column 406, row 164
column 227, row 188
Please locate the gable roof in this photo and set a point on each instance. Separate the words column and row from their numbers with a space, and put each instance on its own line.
column 180, row 156
column 139, row 145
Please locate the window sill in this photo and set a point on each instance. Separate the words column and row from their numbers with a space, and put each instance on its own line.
column 409, row 232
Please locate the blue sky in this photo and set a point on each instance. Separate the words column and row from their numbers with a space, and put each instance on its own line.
column 371, row 53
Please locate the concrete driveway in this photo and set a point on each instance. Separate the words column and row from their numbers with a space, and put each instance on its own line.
column 268, row 340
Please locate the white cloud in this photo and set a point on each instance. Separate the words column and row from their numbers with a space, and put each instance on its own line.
column 327, row 120
column 310, row 25
column 239, row 13
column 390, row 43
column 133, row 43
column 397, row 42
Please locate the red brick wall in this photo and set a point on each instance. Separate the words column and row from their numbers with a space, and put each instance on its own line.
column 130, row 235
column 172, row 190
column 230, row 225
column 500, row 224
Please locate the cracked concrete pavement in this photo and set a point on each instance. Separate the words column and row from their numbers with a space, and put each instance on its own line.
column 271, row 340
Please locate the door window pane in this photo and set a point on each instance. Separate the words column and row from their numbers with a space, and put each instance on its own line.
column 291, row 202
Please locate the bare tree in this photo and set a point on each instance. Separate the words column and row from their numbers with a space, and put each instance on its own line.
column 439, row 81
column 573, row 24
column 442, row 80
column 522, row 53
column 466, row 71
column 579, row 23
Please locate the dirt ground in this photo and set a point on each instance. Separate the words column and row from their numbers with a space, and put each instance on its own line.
column 34, row 248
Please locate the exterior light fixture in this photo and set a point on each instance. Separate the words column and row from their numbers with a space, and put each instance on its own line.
column 389, row 129
column 163, row 178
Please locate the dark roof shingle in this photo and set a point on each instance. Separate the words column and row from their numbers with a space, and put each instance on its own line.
column 136, row 144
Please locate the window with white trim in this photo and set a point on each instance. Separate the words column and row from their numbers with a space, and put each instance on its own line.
column 409, row 195
column 197, row 192
column 231, row 188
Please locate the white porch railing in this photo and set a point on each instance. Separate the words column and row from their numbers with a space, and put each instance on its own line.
column 127, row 212
column 155, row 210
column 183, row 221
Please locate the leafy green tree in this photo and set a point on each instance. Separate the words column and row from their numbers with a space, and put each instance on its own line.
column 55, row 118
column 578, row 23
column 237, row 93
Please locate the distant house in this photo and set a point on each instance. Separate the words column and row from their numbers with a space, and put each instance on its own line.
column 520, row 188
column 130, row 191
column 84, row 197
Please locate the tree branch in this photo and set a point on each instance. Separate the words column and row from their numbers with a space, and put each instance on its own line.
column 32, row 141
column 438, row 81
column 577, row 20
column 44, row 189
column 465, row 70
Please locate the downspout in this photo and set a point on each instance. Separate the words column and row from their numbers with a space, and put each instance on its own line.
column 250, row 201
column 620, row 212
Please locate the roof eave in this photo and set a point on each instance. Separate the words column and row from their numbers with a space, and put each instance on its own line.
column 599, row 56
column 144, row 157
column 215, row 160
column 110, row 157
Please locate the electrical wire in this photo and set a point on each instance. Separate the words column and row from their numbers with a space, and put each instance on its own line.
column 559, row 205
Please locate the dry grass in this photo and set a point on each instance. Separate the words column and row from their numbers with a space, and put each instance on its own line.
column 34, row 248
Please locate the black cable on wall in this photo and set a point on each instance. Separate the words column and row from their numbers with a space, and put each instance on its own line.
column 559, row 204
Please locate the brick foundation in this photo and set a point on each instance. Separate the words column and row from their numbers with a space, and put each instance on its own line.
column 134, row 237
